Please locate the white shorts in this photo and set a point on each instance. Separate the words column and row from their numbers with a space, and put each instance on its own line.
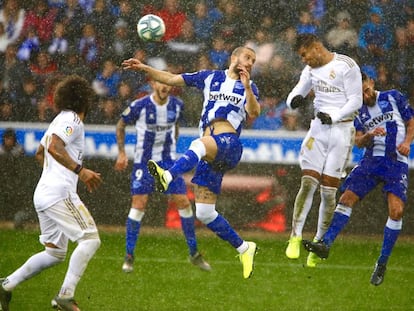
column 326, row 149
column 68, row 219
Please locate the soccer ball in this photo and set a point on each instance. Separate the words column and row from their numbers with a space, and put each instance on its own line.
column 151, row 28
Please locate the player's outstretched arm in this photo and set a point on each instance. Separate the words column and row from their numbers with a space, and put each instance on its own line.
column 158, row 75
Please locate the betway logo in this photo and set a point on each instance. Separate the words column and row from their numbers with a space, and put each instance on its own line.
column 378, row 120
column 225, row 97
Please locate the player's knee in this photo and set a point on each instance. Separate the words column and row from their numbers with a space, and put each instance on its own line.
column 308, row 186
column 181, row 201
column 95, row 244
column 139, row 202
column 198, row 148
column 92, row 241
column 58, row 253
column 348, row 198
column 309, row 183
column 396, row 213
column 328, row 195
column 396, row 207
column 206, row 213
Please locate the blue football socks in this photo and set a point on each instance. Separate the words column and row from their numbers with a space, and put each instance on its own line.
column 184, row 164
column 339, row 221
column 132, row 231
column 187, row 225
column 222, row 228
column 391, row 233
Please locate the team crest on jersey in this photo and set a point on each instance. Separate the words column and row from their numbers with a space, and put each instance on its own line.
column 126, row 111
column 238, row 85
column 309, row 143
column 68, row 130
column 332, row 75
column 383, row 104
column 171, row 115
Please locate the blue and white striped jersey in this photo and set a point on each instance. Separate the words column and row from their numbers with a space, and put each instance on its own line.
column 156, row 127
column 391, row 111
column 224, row 98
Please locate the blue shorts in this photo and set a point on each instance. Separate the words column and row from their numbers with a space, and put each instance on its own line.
column 371, row 171
column 142, row 181
column 229, row 152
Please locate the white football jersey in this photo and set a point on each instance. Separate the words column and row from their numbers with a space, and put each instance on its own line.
column 337, row 87
column 56, row 181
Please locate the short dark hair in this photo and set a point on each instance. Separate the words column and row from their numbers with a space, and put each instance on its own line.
column 305, row 40
column 74, row 93
column 365, row 77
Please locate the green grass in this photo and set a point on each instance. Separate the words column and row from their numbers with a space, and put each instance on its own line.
column 164, row 280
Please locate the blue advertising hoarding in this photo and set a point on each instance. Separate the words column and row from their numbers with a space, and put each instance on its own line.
column 281, row 147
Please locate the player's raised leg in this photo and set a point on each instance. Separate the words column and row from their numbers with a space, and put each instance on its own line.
column 184, row 164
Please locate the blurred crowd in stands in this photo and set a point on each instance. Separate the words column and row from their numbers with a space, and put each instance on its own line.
column 41, row 41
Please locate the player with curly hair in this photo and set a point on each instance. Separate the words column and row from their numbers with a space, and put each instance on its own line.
column 61, row 213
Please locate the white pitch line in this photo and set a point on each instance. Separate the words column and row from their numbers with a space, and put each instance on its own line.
column 323, row 265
